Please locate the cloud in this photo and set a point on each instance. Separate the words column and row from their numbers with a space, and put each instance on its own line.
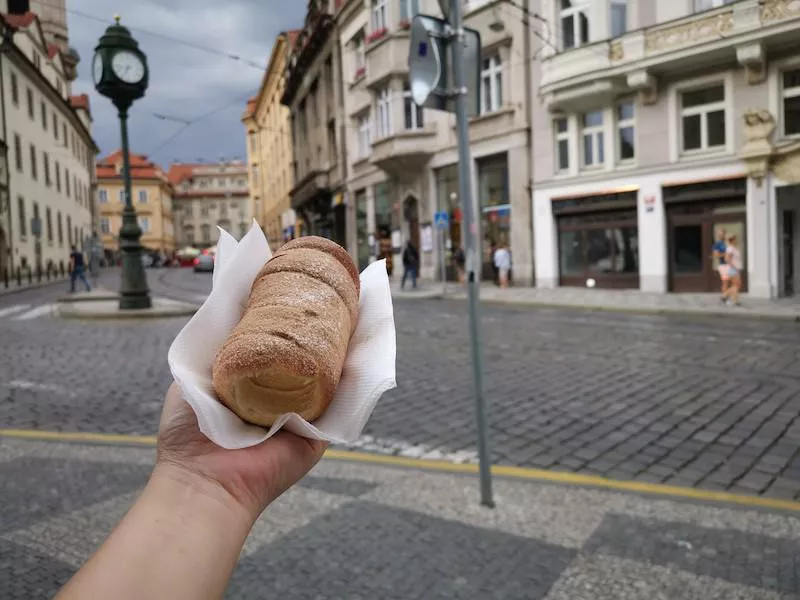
column 184, row 82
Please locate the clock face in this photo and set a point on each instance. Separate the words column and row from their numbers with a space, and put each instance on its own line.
column 97, row 68
column 128, row 67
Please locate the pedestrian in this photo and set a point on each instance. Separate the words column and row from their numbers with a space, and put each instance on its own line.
column 495, row 272
column 410, row 265
column 460, row 260
column 733, row 259
column 185, row 532
column 386, row 251
column 718, row 251
column 77, row 269
column 502, row 262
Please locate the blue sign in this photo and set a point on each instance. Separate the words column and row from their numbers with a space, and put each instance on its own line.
column 441, row 219
column 423, row 49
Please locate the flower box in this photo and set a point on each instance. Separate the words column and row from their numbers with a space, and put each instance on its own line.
column 377, row 35
column 360, row 72
column 405, row 24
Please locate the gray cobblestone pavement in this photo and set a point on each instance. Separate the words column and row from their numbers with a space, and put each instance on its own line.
column 352, row 530
column 711, row 403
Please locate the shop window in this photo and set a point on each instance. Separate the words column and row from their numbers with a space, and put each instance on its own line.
column 495, row 207
column 593, row 139
column 413, row 112
column 703, row 118
column 492, row 84
column 626, row 132
column 574, row 23
column 561, row 128
column 791, row 102
column 384, row 111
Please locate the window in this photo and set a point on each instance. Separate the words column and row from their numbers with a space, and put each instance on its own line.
column 379, row 14
column 55, row 126
column 384, row 113
column 413, row 112
column 791, row 102
column 492, row 84
column 253, row 142
column 144, row 224
column 701, row 5
column 49, row 223
column 37, row 60
column 626, row 131
column 255, row 175
column 60, row 226
column 408, row 10
column 44, row 115
column 66, row 182
column 58, row 176
column 574, row 23
column 561, row 127
column 46, row 163
column 358, row 49
column 206, row 233
column 23, row 222
column 593, row 139
column 69, row 230
column 66, row 137
column 105, row 225
column 122, row 196
column 142, row 196
column 619, row 17
column 18, row 152
column 34, row 166
column 14, row 89
column 31, row 113
column 364, row 136
column 703, row 118
column 102, row 196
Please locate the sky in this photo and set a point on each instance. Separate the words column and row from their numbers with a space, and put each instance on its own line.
column 185, row 83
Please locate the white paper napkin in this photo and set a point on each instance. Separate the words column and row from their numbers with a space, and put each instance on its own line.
column 369, row 369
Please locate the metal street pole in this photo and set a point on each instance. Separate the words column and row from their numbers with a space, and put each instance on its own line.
column 471, row 248
column 134, row 293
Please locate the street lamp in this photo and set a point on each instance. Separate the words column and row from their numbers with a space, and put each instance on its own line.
column 120, row 73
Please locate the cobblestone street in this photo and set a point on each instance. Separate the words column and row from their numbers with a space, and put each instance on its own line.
column 684, row 401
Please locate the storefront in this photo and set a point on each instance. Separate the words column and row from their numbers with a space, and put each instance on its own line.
column 598, row 239
column 695, row 214
column 447, row 200
column 495, row 207
column 788, row 198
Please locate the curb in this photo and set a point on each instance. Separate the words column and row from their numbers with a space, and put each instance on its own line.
column 110, row 311
column 471, row 469
column 33, row 286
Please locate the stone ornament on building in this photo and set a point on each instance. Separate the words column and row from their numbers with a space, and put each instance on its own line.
column 616, row 51
column 761, row 156
column 689, row 33
column 776, row 10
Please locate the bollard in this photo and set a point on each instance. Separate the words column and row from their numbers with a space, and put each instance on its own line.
column 5, row 277
column 19, row 277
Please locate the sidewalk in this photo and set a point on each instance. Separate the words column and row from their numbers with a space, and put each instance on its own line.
column 365, row 530
column 13, row 288
column 632, row 301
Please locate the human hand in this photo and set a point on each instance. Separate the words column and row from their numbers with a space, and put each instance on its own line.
column 252, row 477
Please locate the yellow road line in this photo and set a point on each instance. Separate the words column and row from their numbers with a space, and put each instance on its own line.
column 510, row 472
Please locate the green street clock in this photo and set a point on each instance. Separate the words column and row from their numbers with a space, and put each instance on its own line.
column 119, row 67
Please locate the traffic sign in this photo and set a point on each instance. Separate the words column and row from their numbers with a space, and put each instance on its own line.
column 441, row 219
column 430, row 71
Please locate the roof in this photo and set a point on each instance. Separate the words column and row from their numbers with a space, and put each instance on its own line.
column 180, row 172
column 141, row 167
column 251, row 106
column 293, row 34
column 80, row 101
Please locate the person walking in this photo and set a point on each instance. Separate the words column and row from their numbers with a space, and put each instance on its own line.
column 77, row 269
column 733, row 259
column 718, row 252
column 410, row 265
column 460, row 260
column 502, row 262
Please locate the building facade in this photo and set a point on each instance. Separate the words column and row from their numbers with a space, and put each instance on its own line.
column 403, row 159
column 269, row 148
column 313, row 92
column 663, row 123
column 208, row 196
column 49, row 152
column 152, row 200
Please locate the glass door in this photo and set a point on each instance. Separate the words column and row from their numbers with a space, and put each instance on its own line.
column 688, row 263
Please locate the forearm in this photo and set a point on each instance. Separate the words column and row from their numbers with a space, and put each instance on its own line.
column 181, row 540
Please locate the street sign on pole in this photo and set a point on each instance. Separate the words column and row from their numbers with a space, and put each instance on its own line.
column 430, row 70
column 459, row 91
column 441, row 220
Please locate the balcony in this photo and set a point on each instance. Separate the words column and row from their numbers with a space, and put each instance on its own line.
column 387, row 56
column 404, row 155
column 739, row 33
column 314, row 184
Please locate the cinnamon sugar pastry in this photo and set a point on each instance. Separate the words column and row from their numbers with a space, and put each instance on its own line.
column 287, row 352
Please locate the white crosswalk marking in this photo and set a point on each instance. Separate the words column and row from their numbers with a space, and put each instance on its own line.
column 4, row 312
column 35, row 313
